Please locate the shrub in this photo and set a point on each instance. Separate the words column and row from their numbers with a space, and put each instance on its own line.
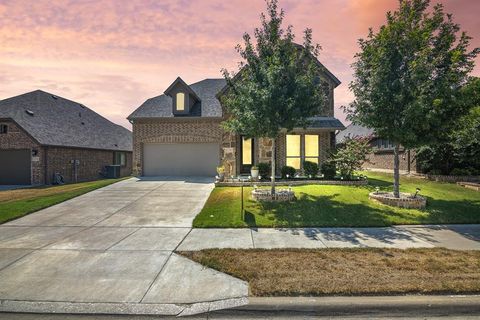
column 329, row 170
column 264, row 169
column 435, row 172
column 310, row 169
column 460, row 172
column 352, row 155
column 287, row 170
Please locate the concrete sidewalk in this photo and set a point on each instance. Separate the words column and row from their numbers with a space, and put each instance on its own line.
column 457, row 237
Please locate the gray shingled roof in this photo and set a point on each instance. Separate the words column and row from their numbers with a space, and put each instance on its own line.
column 161, row 106
column 354, row 131
column 60, row 122
column 326, row 123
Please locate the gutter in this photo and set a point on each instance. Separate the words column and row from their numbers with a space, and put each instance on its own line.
column 408, row 305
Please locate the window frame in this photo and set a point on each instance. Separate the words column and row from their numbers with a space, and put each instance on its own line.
column 124, row 158
column 3, row 128
column 303, row 156
column 177, row 100
column 299, row 157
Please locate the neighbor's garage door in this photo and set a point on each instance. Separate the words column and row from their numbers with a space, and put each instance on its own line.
column 185, row 159
column 15, row 167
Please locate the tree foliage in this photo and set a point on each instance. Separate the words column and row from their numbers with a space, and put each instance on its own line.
column 408, row 75
column 277, row 85
column 351, row 156
column 461, row 148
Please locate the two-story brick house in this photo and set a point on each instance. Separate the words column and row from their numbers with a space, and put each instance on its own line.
column 179, row 133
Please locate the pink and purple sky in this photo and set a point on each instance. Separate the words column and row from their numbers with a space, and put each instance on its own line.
column 112, row 55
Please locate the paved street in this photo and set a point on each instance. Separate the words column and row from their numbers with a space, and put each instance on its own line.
column 110, row 251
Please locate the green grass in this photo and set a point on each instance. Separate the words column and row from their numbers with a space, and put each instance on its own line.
column 342, row 206
column 17, row 203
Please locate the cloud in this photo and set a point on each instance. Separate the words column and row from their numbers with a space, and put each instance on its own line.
column 112, row 55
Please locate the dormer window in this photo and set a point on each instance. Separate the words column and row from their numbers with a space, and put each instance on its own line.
column 180, row 103
column 183, row 98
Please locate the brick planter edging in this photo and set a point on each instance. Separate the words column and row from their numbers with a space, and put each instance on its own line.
column 280, row 196
column 405, row 201
column 294, row 183
column 452, row 179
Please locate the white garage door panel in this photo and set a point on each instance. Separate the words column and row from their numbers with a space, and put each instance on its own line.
column 183, row 159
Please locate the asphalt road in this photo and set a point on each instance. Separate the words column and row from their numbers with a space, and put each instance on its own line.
column 273, row 316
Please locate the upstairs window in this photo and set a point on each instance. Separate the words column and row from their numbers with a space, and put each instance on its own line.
column 3, row 129
column 180, row 101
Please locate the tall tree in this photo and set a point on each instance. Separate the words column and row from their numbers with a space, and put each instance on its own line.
column 277, row 85
column 407, row 77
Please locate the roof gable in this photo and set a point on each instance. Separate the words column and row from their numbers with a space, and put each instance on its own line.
column 162, row 106
column 179, row 82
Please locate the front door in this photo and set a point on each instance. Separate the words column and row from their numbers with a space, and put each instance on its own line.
column 246, row 156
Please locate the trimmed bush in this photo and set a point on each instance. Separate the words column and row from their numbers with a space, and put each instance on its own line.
column 460, row 172
column 288, row 170
column 310, row 169
column 264, row 169
column 328, row 169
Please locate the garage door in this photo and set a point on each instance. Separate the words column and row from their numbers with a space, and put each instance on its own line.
column 15, row 168
column 185, row 159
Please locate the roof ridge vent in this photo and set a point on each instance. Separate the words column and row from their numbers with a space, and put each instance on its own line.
column 29, row 112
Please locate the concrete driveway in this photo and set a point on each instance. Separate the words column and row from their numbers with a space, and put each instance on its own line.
column 111, row 251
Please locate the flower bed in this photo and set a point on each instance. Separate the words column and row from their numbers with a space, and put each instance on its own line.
column 291, row 182
column 406, row 200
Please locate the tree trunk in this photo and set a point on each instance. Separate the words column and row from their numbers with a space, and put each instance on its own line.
column 273, row 167
column 396, row 172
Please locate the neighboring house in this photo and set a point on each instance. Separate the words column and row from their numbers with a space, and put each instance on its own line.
column 42, row 134
column 180, row 133
column 382, row 149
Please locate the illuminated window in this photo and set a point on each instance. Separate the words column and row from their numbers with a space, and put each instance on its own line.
column 180, row 101
column 311, row 148
column 293, row 151
column 246, row 151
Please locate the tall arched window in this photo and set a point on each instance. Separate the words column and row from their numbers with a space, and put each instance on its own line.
column 180, row 101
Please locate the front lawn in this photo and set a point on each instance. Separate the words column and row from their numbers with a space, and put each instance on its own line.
column 19, row 202
column 315, row 272
column 342, row 206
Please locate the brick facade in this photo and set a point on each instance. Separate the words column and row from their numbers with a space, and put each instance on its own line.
column 383, row 159
column 47, row 160
column 173, row 130
column 91, row 163
column 182, row 130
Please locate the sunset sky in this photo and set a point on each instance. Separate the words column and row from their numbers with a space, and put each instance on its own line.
column 112, row 55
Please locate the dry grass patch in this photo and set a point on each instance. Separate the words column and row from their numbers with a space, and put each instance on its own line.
column 313, row 272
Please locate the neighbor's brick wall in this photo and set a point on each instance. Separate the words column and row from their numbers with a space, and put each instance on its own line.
column 384, row 160
column 17, row 138
column 92, row 162
column 174, row 130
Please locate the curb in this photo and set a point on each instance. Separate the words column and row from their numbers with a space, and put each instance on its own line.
column 413, row 305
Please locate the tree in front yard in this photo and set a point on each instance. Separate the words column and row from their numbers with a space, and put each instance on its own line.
column 459, row 154
column 351, row 155
column 277, row 86
column 408, row 76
